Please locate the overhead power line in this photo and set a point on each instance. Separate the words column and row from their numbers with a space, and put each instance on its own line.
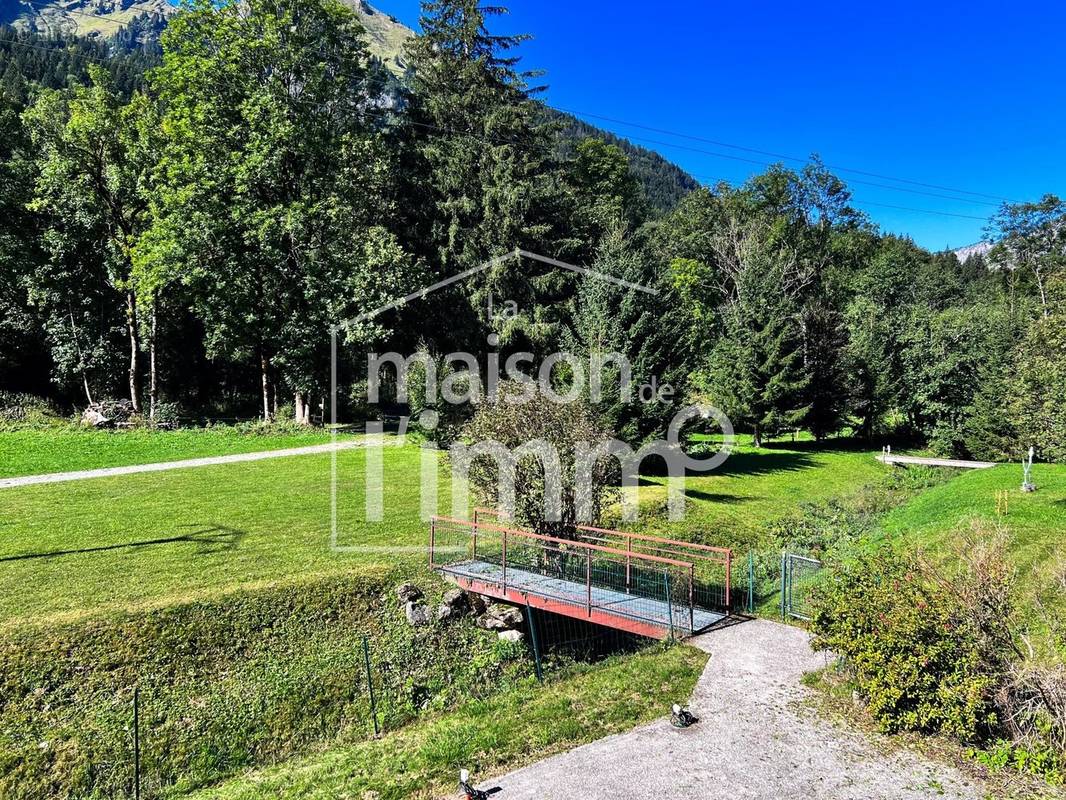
column 439, row 131
column 772, row 154
column 718, row 143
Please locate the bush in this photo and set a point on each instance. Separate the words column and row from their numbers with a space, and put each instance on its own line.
column 26, row 411
column 258, row 427
column 926, row 652
column 168, row 414
column 520, row 414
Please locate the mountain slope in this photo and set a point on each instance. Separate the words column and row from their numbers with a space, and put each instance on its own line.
column 130, row 25
column 386, row 35
column 91, row 18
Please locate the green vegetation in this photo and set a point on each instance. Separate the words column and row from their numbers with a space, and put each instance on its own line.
column 508, row 730
column 1033, row 528
column 919, row 655
column 948, row 649
column 735, row 504
column 228, row 683
column 70, row 447
column 77, row 549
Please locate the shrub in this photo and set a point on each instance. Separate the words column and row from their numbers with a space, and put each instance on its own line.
column 513, row 422
column 19, row 410
column 168, row 414
column 926, row 652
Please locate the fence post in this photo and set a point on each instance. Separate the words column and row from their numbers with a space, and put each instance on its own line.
column 691, row 599
column 432, row 540
column 784, row 580
column 751, row 582
column 669, row 603
column 504, row 562
column 728, row 581
column 473, row 539
column 533, row 638
column 629, row 551
column 137, row 742
column 588, row 581
column 370, row 685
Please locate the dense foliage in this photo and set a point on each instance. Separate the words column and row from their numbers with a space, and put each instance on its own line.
column 946, row 652
column 191, row 235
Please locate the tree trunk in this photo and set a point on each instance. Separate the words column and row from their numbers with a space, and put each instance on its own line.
column 153, row 392
column 264, row 367
column 1043, row 291
column 81, row 360
column 299, row 408
column 131, row 325
column 756, row 437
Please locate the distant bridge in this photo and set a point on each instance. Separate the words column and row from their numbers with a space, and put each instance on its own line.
column 887, row 457
column 648, row 585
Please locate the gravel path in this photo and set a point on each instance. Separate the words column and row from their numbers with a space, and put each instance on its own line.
column 754, row 740
column 59, row 477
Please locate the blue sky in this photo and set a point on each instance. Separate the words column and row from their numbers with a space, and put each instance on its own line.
column 966, row 95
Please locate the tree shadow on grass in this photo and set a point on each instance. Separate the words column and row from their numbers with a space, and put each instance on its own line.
column 742, row 463
column 214, row 539
column 717, row 497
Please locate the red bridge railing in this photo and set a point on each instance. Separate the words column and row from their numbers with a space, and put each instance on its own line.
column 665, row 590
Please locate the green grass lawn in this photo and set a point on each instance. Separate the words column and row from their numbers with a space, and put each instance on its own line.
column 730, row 505
column 1034, row 527
column 487, row 737
column 69, row 448
column 136, row 541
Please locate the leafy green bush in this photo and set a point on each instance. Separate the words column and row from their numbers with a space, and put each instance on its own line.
column 277, row 427
column 926, row 652
column 19, row 411
column 247, row 679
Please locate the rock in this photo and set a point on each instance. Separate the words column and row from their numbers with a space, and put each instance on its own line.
column 408, row 593
column 94, row 418
column 454, row 604
column 477, row 603
column 511, row 636
column 417, row 614
column 500, row 618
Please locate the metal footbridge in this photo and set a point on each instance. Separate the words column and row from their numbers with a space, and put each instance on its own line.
column 648, row 585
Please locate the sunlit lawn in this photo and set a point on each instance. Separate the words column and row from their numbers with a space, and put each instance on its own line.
column 69, row 549
column 137, row 540
column 731, row 505
column 944, row 519
column 69, row 448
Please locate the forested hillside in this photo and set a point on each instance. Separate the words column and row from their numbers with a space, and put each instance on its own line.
column 185, row 240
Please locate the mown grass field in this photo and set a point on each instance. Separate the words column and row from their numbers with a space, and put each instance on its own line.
column 67, row 448
column 730, row 505
column 69, row 550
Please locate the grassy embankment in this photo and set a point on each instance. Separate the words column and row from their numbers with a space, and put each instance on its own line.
column 95, row 558
column 516, row 727
column 1033, row 529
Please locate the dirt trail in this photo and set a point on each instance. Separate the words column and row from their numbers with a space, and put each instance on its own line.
column 756, row 739
column 163, row 466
